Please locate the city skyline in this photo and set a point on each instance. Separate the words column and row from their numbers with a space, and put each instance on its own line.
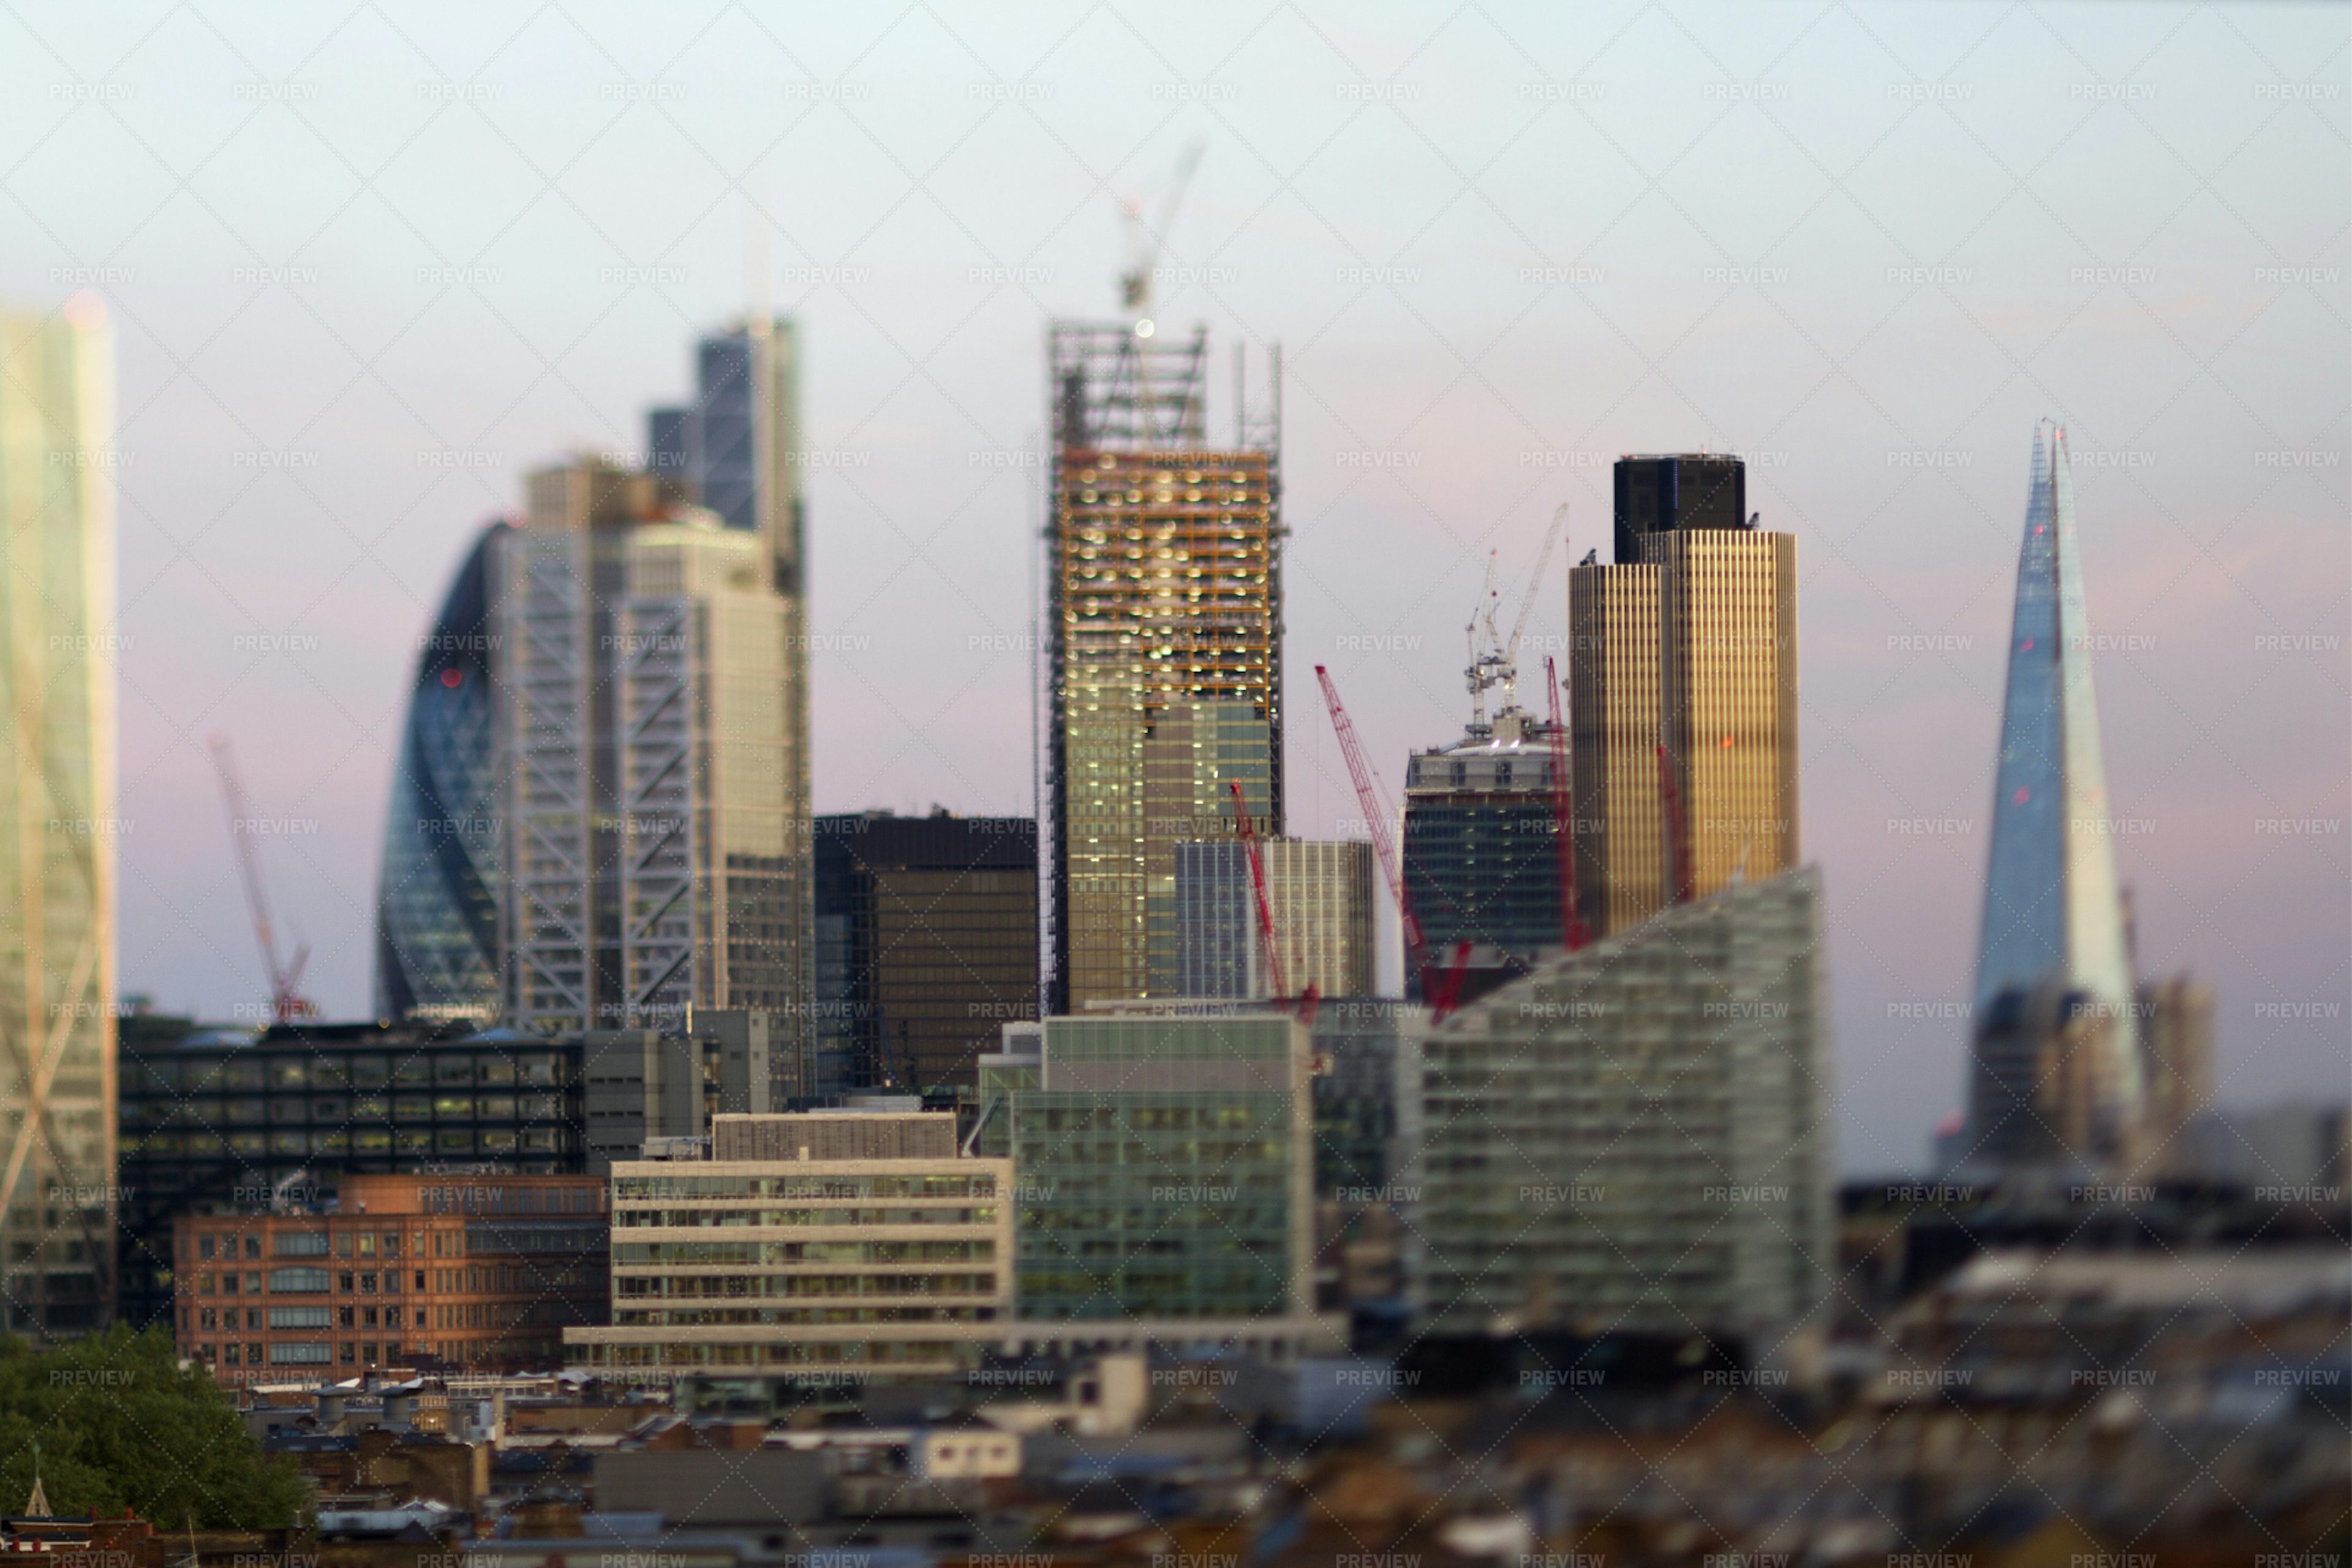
column 2206, row 534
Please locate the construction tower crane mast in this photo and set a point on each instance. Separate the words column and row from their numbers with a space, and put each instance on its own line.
column 1497, row 663
column 1146, row 241
column 287, row 1003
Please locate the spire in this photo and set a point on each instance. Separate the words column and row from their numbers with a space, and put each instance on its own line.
column 37, row 1505
column 2053, row 952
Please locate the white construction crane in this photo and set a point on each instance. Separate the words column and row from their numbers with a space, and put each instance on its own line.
column 1495, row 659
column 1144, row 242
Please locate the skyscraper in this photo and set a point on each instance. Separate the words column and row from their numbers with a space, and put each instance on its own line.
column 1690, row 647
column 654, row 848
column 1481, row 856
column 1319, row 892
column 929, row 925
column 437, row 925
column 57, row 818
column 2058, row 1076
column 1163, row 635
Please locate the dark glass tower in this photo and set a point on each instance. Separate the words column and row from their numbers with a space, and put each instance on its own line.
column 436, row 900
column 1660, row 495
column 928, row 942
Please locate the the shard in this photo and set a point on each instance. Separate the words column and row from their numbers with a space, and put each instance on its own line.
column 2057, row 1071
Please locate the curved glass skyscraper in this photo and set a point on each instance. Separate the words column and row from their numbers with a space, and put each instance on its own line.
column 436, row 920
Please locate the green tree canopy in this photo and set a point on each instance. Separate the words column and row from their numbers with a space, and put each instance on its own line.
column 121, row 1423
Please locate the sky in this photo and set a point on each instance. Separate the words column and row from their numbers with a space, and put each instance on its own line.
column 369, row 266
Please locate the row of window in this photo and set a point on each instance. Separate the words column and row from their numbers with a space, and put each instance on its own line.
column 861, row 1251
column 435, row 1315
column 551, row 1139
column 308, row 1281
column 804, row 1188
column 690, row 1218
column 254, row 1109
column 303, row 1281
column 362, row 1353
column 312, row 1244
column 813, row 1285
column 163, row 1075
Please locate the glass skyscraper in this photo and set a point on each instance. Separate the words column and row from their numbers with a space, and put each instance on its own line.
column 57, row 818
column 2058, row 1071
column 437, row 895
column 1690, row 644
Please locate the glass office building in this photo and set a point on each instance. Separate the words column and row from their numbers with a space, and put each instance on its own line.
column 1481, row 861
column 1320, row 893
column 927, row 944
column 1635, row 1137
column 437, row 897
column 1165, row 1168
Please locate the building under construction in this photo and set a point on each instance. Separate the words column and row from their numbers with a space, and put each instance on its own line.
column 1163, row 637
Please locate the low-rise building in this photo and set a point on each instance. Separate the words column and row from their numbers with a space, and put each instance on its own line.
column 805, row 1251
column 481, row 1271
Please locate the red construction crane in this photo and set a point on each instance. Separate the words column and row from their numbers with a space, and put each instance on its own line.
column 1257, row 881
column 1678, row 855
column 1572, row 933
column 287, row 1002
column 1265, row 930
column 1439, row 989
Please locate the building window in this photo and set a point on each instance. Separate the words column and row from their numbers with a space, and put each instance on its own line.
column 204, row 1247
column 343, row 1282
column 349, row 1351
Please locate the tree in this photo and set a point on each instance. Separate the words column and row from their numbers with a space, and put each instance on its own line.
column 120, row 1424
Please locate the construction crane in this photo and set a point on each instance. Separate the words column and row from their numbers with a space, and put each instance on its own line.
column 1144, row 242
column 1439, row 987
column 1257, row 881
column 1267, row 935
column 1498, row 665
column 1572, row 933
column 287, row 1003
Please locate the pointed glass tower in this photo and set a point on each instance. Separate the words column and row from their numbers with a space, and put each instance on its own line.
column 2057, row 1067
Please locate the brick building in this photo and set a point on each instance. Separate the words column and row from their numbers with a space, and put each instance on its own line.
column 476, row 1271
